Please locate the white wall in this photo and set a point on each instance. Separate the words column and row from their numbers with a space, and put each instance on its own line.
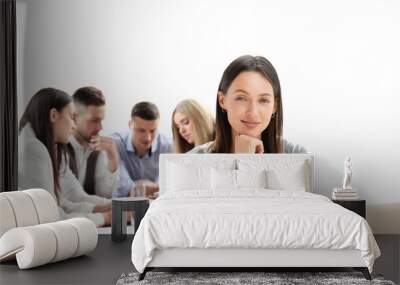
column 338, row 61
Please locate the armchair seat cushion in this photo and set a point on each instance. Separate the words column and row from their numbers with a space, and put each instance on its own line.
column 40, row 244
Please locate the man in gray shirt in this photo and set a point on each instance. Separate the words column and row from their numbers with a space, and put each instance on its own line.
column 139, row 151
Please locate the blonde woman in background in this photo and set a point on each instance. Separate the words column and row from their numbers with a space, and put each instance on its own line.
column 192, row 125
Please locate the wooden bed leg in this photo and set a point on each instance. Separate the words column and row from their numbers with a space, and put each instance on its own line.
column 142, row 275
column 364, row 271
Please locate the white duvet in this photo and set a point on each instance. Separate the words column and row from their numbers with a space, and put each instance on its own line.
column 252, row 218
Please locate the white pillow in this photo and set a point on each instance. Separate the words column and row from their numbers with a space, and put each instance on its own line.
column 288, row 178
column 223, row 179
column 226, row 179
column 183, row 177
column 282, row 174
column 251, row 178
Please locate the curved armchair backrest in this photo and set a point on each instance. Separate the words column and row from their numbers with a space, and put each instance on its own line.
column 26, row 208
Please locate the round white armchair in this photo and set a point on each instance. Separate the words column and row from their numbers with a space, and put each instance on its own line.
column 31, row 232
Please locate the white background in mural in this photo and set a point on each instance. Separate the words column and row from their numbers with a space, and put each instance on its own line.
column 338, row 61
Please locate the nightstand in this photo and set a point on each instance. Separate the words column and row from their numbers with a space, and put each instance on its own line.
column 357, row 206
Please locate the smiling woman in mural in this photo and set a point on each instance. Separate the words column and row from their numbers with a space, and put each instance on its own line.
column 249, row 110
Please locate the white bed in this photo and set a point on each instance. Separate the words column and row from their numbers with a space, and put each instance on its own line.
column 219, row 210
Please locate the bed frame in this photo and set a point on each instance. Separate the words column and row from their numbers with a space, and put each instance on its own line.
column 247, row 259
column 250, row 259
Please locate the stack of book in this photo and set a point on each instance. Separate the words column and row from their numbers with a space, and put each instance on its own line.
column 344, row 194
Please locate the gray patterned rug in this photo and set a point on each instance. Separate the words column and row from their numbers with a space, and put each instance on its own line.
column 275, row 278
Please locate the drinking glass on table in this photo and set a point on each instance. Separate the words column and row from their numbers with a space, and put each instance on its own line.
column 139, row 190
column 145, row 188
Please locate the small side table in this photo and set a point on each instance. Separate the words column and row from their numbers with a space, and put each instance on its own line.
column 357, row 206
column 138, row 205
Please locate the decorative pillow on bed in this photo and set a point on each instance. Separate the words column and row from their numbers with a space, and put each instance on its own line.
column 223, row 179
column 288, row 178
column 183, row 177
column 281, row 174
column 251, row 178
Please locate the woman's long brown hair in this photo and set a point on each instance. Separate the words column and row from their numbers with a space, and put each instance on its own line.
column 37, row 114
column 272, row 135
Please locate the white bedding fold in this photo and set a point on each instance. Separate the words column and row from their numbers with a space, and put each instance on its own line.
column 252, row 218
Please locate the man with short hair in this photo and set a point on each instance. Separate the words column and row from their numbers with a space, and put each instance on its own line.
column 91, row 174
column 96, row 156
column 139, row 151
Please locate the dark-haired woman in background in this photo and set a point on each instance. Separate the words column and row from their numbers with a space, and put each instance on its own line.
column 45, row 129
column 249, row 114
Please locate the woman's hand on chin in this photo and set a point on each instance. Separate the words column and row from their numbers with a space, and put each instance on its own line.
column 247, row 144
